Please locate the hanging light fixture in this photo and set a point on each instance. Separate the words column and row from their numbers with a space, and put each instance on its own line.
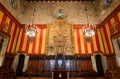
column 31, row 29
column 89, row 29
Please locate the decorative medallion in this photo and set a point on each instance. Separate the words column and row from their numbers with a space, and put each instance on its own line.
column 107, row 3
column 13, row 3
column 59, row 14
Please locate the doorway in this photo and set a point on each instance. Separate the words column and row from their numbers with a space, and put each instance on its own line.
column 20, row 64
column 99, row 65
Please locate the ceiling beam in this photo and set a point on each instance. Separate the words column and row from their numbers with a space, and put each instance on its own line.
column 59, row 0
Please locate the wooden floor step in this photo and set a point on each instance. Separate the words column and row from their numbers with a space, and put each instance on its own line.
column 69, row 78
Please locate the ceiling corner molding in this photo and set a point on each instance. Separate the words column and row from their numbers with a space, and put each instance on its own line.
column 5, row 11
column 112, row 14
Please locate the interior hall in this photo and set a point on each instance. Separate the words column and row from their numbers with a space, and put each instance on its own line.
column 59, row 39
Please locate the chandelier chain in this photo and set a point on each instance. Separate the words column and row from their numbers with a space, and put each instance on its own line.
column 86, row 14
column 31, row 29
column 34, row 10
column 89, row 29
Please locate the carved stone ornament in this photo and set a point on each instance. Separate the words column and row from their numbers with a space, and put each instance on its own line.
column 59, row 14
column 114, row 28
column 59, row 37
column 13, row 3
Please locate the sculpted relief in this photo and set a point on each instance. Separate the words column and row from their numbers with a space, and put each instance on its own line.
column 59, row 38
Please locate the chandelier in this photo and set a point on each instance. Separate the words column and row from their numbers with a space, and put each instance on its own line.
column 89, row 29
column 31, row 29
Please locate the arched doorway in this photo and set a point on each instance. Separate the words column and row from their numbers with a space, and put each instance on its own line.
column 20, row 65
column 99, row 65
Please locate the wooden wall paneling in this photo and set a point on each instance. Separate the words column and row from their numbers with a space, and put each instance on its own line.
column 113, row 71
column 83, row 65
column 111, row 62
column 79, row 65
column 52, row 65
column 67, row 64
column 87, row 65
column 46, row 66
column 72, row 65
column 7, row 64
column 33, row 67
column 90, row 65
column 41, row 65
column 6, row 71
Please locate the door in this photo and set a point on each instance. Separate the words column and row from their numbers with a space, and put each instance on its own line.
column 20, row 65
column 99, row 65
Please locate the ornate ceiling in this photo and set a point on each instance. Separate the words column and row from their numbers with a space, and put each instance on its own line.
column 59, row 0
